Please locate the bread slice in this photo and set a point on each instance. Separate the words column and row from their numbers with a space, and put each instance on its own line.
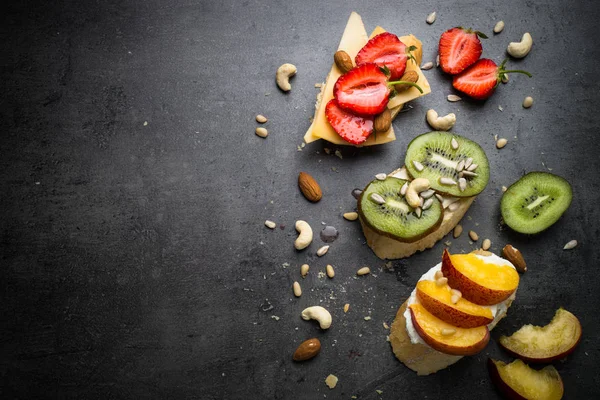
column 385, row 247
column 419, row 357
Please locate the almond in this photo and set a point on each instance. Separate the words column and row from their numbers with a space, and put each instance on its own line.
column 409, row 76
column 309, row 187
column 343, row 61
column 513, row 255
column 307, row 350
column 383, row 121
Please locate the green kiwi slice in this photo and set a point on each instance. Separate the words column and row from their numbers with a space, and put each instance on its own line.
column 453, row 164
column 395, row 218
column 535, row 202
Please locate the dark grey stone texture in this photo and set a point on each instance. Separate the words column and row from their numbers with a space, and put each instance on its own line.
column 134, row 262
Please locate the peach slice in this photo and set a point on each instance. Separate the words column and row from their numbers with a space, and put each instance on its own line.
column 480, row 282
column 545, row 344
column 464, row 314
column 518, row 381
column 447, row 338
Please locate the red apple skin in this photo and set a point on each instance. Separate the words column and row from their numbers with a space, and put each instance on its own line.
column 448, row 349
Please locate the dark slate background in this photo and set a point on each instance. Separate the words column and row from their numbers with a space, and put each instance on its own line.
column 133, row 257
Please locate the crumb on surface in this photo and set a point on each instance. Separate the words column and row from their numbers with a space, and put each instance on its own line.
column 331, row 381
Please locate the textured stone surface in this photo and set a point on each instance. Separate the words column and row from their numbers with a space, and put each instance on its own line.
column 134, row 260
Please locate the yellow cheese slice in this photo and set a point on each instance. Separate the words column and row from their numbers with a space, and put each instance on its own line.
column 354, row 39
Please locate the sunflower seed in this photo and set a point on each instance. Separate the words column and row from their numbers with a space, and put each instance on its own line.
column 381, row 177
column 418, row 166
column 453, row 98
column 454, row 144
column 377, row 198
column 469, row 173
column 270, row 224
column 437, row 61
column 426, row 66
column 427, row 204
column 462, row 184
column 472, row 167
column 403, row 189
column 570, row 245
column 427, row 194
column 421, row 201
column 431, row 18
column 504, row 189
column 322, row 251
column 439, row 197
column 501, row 143
column 468, row 162
column 418, row 211
column 499, row 27
column 447, row 181
column 460, row 166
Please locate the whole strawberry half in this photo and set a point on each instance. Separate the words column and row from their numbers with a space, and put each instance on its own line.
column 362, row 90
column 385, row 50
column 480, row 79
column 351, row 127
column 459, row 48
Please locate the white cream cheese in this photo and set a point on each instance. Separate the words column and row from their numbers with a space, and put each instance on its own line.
column 498, row 310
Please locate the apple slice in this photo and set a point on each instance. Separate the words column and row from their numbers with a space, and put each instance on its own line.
column 542, row 344
column 518, row 381
column 438, row 301
column 446, row 338
column 479, row 282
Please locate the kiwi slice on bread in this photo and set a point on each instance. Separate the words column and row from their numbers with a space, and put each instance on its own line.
column 453, row 164
column 535, row 202
column 393, row 217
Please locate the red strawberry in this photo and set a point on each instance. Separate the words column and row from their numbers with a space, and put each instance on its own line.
column 458, row 49
column 481, row 78
column 352, row 128
column 362, row 90
column 386, row 50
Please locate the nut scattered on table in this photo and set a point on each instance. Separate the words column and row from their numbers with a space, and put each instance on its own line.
column 304, row 270
column 297, row 289
column 307, row 350
column 351, row 216
column 261, row 132
column 283, row 75
column 309, row 187
column 363, row 271
column 261, row 119
column 515, row 256
column 330, row 271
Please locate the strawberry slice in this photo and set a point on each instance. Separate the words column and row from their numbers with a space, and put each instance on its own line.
column 459, row 48
column 385, row 50
column 362, row 90
column 352, row 128
column 480, row 79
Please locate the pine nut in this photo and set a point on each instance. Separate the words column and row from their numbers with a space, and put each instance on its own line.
column 473, row 235
column 499, row 27
column 501, row 143
column 262, row 132
column 454, row 299
column 457, row 231
column 330, row 271
column 270, row 224
column 322, row 251
column 438, row 274
column 441, row 281
column 261, row 119
column 297, row 289
column 487, row 243
column 351, row 216
column 570, row 245
column 528, row 102
column 346, row 307
column 363, row 271
column 431, row 18
column 381, row 177
column 304, row 270
column 448, row 332
column 455, row 294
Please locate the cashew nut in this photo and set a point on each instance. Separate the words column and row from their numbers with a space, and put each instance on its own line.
column 305, row 236
column 415, row 187
column 317, row 313
column 440, row 123
column 283, row 75
column 522, row 48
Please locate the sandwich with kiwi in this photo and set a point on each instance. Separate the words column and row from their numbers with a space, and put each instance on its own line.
column 452, row 309
column 412, row 208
